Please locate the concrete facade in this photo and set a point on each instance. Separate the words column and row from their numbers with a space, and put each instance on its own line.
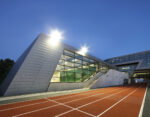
column 34, row 69
column 111, row 78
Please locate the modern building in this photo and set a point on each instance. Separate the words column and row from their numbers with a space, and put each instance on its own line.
column 136, row 64
column 46, row 66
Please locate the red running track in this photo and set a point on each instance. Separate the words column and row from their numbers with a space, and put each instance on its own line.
column 123, row 101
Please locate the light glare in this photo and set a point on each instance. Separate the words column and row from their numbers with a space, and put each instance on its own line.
column 83, row 50
column 55, row 37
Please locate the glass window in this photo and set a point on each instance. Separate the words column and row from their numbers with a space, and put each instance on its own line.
column 78, row 56
column 86, row 59
column 61, row 62
column 66, row 52
column 78, row 61
column 56, row 77
column 69, row 64
column 59, row 68
column 78, row 65
column 85, row 63
column 73, row 67
column 68, row 58
column 70, row 76
column 78, row 77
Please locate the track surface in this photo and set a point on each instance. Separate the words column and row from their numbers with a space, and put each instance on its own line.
column 123, row 101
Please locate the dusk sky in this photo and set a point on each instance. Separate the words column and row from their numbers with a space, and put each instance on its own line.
column 108, row 27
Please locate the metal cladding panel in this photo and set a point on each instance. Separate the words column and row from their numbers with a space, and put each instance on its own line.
column 36, row 70
column 4, row 86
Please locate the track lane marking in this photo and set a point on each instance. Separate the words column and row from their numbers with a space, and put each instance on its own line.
column 45, row 108
column 56, row 105
column 89, row 96
column 86, row 92
column 34, row 103
column 91, row 103
column 23, row 106
column 91, row 92
column 74, row 96
column 49, row 97
column 117, row 102
column 72, row 108
column 70, row 95
column 29, row 104
column 103, row 98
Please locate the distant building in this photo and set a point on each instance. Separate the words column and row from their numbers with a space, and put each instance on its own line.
column 136, row 64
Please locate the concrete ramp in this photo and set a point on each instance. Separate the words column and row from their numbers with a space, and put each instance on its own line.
column 111, row 78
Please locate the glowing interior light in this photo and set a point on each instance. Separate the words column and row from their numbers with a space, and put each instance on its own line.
column 55, row 37
column 83, row 50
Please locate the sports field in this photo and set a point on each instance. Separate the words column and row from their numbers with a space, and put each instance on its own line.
column 121, row 101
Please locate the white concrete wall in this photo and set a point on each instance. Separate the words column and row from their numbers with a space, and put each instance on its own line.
column 111, row 78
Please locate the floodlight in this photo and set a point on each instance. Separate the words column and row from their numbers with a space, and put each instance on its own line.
column 55, row 37
column 83, row 50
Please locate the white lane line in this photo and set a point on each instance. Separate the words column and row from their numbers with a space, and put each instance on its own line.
column 92, row 92
column 75, row 95
column 117, row 102
column 89, row 103
column 103, row 98
column 35, row 110
column 23, row 106
column 33, row 103
column 43, row 108
column 58, row 104
column 90, row 96
column 143, row 102
column 42, row 97
column 71, row 109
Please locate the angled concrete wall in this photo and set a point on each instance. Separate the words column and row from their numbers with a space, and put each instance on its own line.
column 34, row 69
column 111, row 78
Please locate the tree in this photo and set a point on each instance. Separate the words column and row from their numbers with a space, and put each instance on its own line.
column 5, row 67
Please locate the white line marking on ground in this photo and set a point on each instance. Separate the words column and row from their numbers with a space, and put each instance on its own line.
column 90, row 103
column 42, row 108
column 39, row 94
column 35, row 110
column 71, row 109
column 35, row 103
column 43, row 94
column 75, row 95
column 102, row 98
column 87, row 92
column 39, row 102
column 89, row 96
column 22, row 106
column 117, row 103
column 143, row 102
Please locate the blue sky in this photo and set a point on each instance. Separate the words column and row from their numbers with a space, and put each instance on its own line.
column 109, row 27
